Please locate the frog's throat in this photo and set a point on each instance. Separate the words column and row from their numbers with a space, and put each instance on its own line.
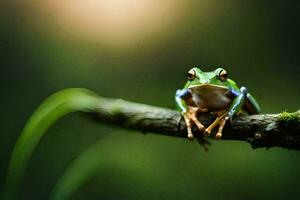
column 208, row 86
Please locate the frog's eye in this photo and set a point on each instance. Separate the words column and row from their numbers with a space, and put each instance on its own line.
column 191, row 75
column 223, row 75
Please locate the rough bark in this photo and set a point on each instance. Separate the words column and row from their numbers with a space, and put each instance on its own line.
column 263, row 130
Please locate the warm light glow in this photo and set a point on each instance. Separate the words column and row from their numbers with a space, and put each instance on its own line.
column 116, row 22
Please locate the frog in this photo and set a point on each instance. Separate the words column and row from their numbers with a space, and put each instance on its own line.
column 213, row 93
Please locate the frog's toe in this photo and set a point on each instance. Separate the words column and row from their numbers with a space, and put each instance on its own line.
column 190, row 133
column 207, row 132
column 202, row 128
column 199, row 125
column 218, row 135
column 190, row 136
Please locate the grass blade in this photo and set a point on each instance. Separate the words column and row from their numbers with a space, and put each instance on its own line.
column 52, row 109
column 85, row 166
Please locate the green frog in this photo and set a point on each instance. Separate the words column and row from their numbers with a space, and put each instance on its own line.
column 214, row 93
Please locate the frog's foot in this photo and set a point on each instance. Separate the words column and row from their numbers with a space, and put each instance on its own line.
column 207, row 131
column 188, row 123
column 190, row 118
column 220, row 120
column 198, row 124
column 221, row 126
column 193, row 116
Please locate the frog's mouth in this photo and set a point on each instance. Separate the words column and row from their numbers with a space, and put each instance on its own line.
column 208, row 87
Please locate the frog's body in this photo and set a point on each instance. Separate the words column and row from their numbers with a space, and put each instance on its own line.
column 203, row 95
column 212, row 92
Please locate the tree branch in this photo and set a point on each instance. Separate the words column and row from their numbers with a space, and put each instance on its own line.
column 264, row 130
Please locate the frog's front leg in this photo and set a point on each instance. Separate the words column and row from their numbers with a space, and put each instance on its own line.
column 189, row 113
column 237, row 103
column 235, row 107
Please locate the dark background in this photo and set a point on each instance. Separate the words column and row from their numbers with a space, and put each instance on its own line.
column 141, row 53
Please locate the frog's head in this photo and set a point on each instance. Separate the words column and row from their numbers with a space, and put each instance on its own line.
column 197, row 77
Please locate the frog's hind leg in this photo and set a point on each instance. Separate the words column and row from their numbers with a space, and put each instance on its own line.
column 235, row 107
column 221, row 126
column 188, row 123
column 194, row 113
column 189, row 113
column 220, row 120
column 190, row 118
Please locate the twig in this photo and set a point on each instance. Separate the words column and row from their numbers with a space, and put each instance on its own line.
column 264, row 130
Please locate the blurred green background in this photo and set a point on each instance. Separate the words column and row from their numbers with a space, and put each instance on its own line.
column 141, row 51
